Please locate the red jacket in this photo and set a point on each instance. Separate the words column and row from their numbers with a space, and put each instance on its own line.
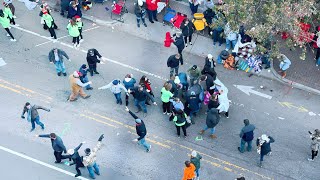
column 152, row 6
column 168, row 40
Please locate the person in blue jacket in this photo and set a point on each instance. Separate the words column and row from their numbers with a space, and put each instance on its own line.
column 246, row 135
column 128, row 83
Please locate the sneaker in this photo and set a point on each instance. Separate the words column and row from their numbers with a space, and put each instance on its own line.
column 54, row 40
column 239, row 149
column 81, row 40
column 8, row 35
column 148, row 150
column 213, row 136
column 152, row 21
column 138, row 25
column 186, row 45
column 87, row 97
column 316, row 64
column 13, row 40
column 42, row 127
column 145, row 115
column 14, row 16
column 78, row 45
column 16, row 25
column 65, row 74
column 90, row 88
column 73, row 100
column 138, row 111
column 77, row 175
column 96, row 72
column 178, row 136
column 156, row 19
column 74, row 44
column 260, row 164
column 145, row 25
column 31, row 130
column 190, row 43
column 310, row 159
column 186, row 136
column 59, row 73
column 164, row 112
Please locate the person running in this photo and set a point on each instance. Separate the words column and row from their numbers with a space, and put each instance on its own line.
column 264, row 147
column 128, row 83
column 33, row 115
column 84, row 78
column 5, row 23
column 165, row 98
column 212, row 121
column 9, row 14
column 48, row 20
column 77, row 160
column 89, row 160
column 315, row 143
column 74, row 32
column 115, row 87
column 140, row 96
column 77, row 87
column 56, row 57
column 195, row 160
column 173, row 63
column 92, row 60
column 80, row 26
column 246, row 135
column 57, row 146
column 141, row 131
column 189, row 171
column 180, row 121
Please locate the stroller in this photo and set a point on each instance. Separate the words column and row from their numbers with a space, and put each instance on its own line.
column 119, row 8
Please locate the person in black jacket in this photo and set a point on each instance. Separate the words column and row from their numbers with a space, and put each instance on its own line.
column 77, row 160
column 141, row 131
column 92, row 59
column 140, row 96
column 84, row 78
column 209, row 82
column 178, row 41
column 193, row 103
column 187, row 31
column 173, row 63
column 264, row 147
column 212, row 121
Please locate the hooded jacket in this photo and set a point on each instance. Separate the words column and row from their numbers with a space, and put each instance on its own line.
column 140, row 127
column 34, row 111
column 4, row 21
column 57, row 144
column 265, row 147
column 115, row 89
column 187, row 30
column 47, row 18
column 213, row 118
column 196, row 161
column 140, row 11
column 129, row 82
column 193, row 102
column 194, row 73
column 209, row 82
column 179, row 42
column 189, row 172
column 61, row 53
column 93, row 59
column 73, row 30
column 173, row 62
column 246, row 132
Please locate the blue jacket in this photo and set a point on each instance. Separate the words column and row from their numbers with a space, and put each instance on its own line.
column 129, row 82
column 57, row 144
column 285, row 64
column 183, row 78
column 247, row 132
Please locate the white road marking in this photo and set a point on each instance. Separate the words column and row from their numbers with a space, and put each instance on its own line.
column 40, row 162
column 249, row 89
column 312, row 113
column 2, row 62
column 281, row 118
column 104, row 58
column 66, row 36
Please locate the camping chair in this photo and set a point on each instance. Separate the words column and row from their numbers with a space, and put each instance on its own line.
column 178, row 19
column 119, row 9
column 199, row 22
column 170, row 14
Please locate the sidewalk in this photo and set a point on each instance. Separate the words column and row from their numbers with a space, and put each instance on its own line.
column 302, row 74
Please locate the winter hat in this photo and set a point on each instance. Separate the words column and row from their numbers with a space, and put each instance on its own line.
column 194, row 153
column 177, row 80
column 115, row 82
column 246, row 122
column 70, row 151
column 224, row 54
column 87, row 151
column 140, row 2
column 76, row 74
column 84, row 66
column 77, row 16
column 194, row 67
column 45, row 12
column 138, row 121
column 264, row 137
column 27, row 103
column 210, row 56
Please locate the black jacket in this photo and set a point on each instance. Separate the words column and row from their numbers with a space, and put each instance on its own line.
column 209, row 81
column 140, row 95
column 174, row 90
column 57, row 144
column 188, row 29
column 213, row 118
column 93, row 59
column 179, row 42
column 213, row 104
column 266, row 148
column 208, row 70
column 174, row 62
column 76, row 158
column 140, row 128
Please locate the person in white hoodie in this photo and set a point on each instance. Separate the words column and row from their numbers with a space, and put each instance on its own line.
column 223, row 99
column 115, row 87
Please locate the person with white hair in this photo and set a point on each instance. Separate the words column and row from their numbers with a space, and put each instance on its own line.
column 195, row 160
column 77, row 160
column 140, row 12
column 77, row 87
column 264, row 147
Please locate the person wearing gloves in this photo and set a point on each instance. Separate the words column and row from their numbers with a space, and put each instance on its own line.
column 57, row 146
column 128, row 83
column 84, row 78
column 56, row 57
column 77, row 160
column 33, row 115
column 92, row 60
column 77, row 87
column 284, row 65
column 140, row 96
column 264, row 147
column 195, row 160
column 173, row 63
column 315, row 143
column 89, row 160
column 140, row 12
column 212, row 121
column 115, row 87
column 141, row 131
column 246, row 135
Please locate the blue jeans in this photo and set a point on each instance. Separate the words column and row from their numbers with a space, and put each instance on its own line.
column 141, row 104
column 144, row 143
column 85, row 80
column 229, row 43
column 92, row 169
column 198, row 172
column 243, row 144
column 318, row 61
column 212, row 129
column 36, row 120
column 118, row 97
column 60, row 67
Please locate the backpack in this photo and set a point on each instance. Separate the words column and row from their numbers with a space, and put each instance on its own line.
column 248, row 136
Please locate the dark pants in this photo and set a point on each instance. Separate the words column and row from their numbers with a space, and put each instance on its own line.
column 152, row 15
column 8, row 31
column 216, row 36
column 194, row 9
column 183, row 129
column 80, row 30
column 52, row 33
column 166, row 107
column 79, row 165
column 75, row 40
column 36, row 120
column 127, row 100
column 180, row 51
column 63, row 9
column 186, row 39
column 314, row 154
column 59, row 156
column 12, row 8
column 12, row 21
column 318, row 53
column 92, row 68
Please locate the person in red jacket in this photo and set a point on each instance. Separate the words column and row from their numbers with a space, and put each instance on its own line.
column 152, row 6
column 168, row 40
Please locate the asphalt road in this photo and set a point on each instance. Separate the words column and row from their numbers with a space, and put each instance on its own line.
column 28, row 76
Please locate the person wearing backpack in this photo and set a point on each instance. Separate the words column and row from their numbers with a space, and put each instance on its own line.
column 180, row 120
column 246, row 135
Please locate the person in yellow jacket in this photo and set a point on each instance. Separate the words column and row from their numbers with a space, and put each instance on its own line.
column 74, row 32
column 48, row 20
column 5, row 23
column 77, row 86
column 89, row 160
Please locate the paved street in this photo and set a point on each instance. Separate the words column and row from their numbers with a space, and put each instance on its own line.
column 28, row 76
